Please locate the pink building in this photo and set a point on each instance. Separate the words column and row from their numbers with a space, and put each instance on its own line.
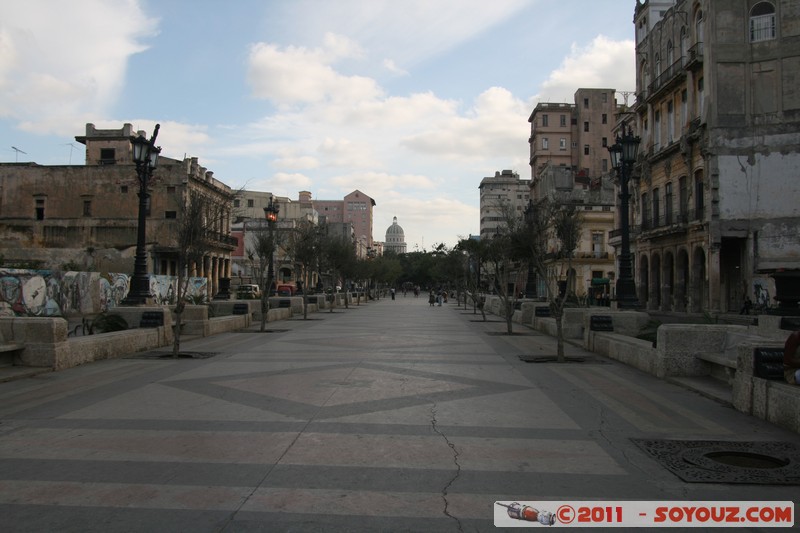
column 355, row 208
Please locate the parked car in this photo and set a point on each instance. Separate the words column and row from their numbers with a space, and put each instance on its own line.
column 248, row 292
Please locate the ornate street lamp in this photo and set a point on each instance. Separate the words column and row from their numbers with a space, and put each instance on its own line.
column 623, row 155
column 271, row 214
column 530, row 283
column 145, row 155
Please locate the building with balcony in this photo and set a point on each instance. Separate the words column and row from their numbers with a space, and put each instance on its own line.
column 500, row 195
column 85, row 217
column 570, row 163
column 718, row 111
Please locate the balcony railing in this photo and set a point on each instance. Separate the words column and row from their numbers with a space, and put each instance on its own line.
column 672, row 72
column 695, row 56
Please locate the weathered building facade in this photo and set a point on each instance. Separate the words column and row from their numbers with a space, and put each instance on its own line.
column 718, row 111
column 84, row 217
column 569, row 162
column 505, row 191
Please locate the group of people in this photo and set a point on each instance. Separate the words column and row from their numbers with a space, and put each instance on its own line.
column 437, row 297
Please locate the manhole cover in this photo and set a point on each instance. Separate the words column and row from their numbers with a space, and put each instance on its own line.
column 747, row 460
column 702, row 461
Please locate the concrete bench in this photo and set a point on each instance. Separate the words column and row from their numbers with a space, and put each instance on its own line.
column 772, row 400
column 5, row 348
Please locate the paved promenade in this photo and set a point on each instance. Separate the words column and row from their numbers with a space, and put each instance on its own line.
column 392, row 416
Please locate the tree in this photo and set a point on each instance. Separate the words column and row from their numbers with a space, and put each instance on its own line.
column 476, row 252
column 335, row 253
column 263, row 239
column 201, row 215
column 547, row 239
column 304, row 247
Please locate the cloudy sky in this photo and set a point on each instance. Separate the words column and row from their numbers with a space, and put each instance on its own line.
column 412, row 102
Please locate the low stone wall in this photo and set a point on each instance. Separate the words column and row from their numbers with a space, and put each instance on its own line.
column 772, row 400
column 681, row 347
column 633, row 352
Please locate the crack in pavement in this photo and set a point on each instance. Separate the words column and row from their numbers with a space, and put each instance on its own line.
column 455, row 461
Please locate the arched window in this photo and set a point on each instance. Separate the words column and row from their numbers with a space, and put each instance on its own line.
column 658, row 65
column 684, row 41
column 762, row 22
column 698, row 27
column 670, row 53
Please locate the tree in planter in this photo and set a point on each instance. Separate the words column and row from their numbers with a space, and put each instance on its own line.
column 200, row 216
column 335, row 253
column 547, row 239
column 303, row 246
column 264, row 240
column 477, row 253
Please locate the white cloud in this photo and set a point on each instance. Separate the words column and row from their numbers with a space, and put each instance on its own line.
column 53, row 68
column 603, row 63
column 297, row 74
column 390, row 65
column 496, row 125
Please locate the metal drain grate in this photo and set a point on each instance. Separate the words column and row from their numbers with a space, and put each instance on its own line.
column 704, row 461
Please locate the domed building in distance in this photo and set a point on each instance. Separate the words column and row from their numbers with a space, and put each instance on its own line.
column 395, row 239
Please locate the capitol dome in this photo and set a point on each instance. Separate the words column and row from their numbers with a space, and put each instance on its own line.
column 395, row 238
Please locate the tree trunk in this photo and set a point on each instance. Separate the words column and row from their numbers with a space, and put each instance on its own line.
column 264, row 310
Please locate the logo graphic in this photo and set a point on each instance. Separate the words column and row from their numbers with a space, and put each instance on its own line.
column 529, row 514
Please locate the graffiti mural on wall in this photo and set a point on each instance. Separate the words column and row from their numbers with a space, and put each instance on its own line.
column 56, row 293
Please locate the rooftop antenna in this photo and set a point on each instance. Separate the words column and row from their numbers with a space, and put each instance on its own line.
column 17, row 151
column 71, row 148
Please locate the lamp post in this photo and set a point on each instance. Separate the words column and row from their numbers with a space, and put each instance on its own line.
column 623, row 155
column 271, row 214
column 530, row 284
column 145, row 155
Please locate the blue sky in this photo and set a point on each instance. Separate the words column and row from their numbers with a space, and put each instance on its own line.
column 412, row 102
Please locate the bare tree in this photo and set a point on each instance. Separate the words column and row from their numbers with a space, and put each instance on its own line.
column 547, row 239
column 304, row 247
column 263, row 242
column 201, row 217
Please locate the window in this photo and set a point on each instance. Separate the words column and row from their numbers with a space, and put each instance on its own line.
column 700, row 97
column 236, row 203
column 562, row 143
column 250, row 203
column 762, row 22
column 670, row 123
column 604, row 163
column 645, row 212
column 684, row 107
column 87, row 208
column 585, row 149
column 170, row 214
column 605, row 118
column 605, row 98
column 668, row 202
column 683, row 196
column 544, row 143
column 586, row 103
column 544, row 121
column 605, row 142
column 563, row 121
column 670, row 54
column 39, row 209
column 108, row 156
column 684, row 41
column 585, row 126
column 123, row 189
column 597, row 244
column 657, row 131
column 658, row 65
column 698, row 28
column 656, row 210
column 698, row 196
column 170, row 189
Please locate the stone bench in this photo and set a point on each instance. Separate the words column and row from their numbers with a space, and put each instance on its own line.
column 772, row 400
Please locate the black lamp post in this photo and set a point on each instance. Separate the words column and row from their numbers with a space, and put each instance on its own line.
column 271, row 214
column 145, row 155
column 623, row 155
column 530, row 284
